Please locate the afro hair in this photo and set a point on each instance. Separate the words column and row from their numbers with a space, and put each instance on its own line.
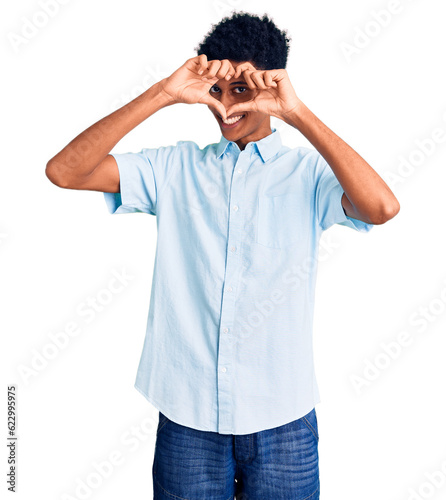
column 247, row 37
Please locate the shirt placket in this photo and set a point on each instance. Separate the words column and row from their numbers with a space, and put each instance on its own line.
column 232, row 271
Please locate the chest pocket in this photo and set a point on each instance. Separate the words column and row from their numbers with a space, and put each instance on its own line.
column 277, row 222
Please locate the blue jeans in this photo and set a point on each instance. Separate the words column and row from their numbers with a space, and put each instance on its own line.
column 274, row 464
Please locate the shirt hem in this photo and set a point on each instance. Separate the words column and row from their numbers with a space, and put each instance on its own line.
column 159, row 408
column 167, row 414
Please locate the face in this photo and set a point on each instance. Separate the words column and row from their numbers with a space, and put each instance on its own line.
column 246, row 126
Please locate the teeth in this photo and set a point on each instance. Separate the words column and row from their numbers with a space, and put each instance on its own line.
column 231, row 121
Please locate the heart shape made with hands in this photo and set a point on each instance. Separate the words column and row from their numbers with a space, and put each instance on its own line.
column 256, row 101
column 264, row 94
column 248, row 104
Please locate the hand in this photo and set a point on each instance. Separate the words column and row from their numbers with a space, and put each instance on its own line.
column 275, row 95
column 191, row 82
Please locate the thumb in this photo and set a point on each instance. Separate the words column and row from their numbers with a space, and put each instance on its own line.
column 216, row 105
column 240, row 107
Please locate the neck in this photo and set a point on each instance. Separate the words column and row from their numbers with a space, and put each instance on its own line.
column 258, row 134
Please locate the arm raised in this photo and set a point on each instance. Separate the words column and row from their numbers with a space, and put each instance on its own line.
column 85, row 163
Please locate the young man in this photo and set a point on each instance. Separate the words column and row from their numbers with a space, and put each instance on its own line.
column 227, row 358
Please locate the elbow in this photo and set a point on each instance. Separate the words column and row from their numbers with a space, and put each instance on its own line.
column 386, row 213
column 54, row 173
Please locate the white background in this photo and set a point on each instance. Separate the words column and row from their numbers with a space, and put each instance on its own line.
column 58, row 247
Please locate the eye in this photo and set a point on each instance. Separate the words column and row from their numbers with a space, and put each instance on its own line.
column 239, row 90
column 214, row 89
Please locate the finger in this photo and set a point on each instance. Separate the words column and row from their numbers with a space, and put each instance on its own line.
column 230, row 73
column 228, row 70
column 242, row 67
column 216, row 105
column 257, row 78
column 238, row 70
column 202, row 63
column 268, row 79
column 211, row 81
column 225, row 69
column 213, row 67
column 221, row 110
column 247, row 75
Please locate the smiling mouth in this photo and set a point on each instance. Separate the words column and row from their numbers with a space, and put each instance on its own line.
column 231, row 121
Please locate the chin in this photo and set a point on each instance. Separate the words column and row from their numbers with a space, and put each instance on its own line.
column 233, row 135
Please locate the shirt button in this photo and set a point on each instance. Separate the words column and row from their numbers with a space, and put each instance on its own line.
column 235, row 208
column 239, row 171
column 223, row 370
column 225, row 330
column 229, row 289
column 232, row 249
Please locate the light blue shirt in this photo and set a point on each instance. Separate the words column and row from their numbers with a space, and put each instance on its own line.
column 228, row 346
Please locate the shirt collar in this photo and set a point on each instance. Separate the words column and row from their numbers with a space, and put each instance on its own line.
column 266, row 147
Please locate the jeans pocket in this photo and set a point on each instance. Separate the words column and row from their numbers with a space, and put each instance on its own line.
column 310, row 420
column 162, row 422
column 277, row 225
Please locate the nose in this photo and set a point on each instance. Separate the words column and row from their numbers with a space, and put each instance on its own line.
column 226, row 99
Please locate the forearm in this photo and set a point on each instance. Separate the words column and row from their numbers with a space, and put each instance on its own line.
column 81, row 156
column 370, row 197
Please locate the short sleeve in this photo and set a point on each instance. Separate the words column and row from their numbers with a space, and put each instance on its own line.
column 328, row 193
column 142, row 178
